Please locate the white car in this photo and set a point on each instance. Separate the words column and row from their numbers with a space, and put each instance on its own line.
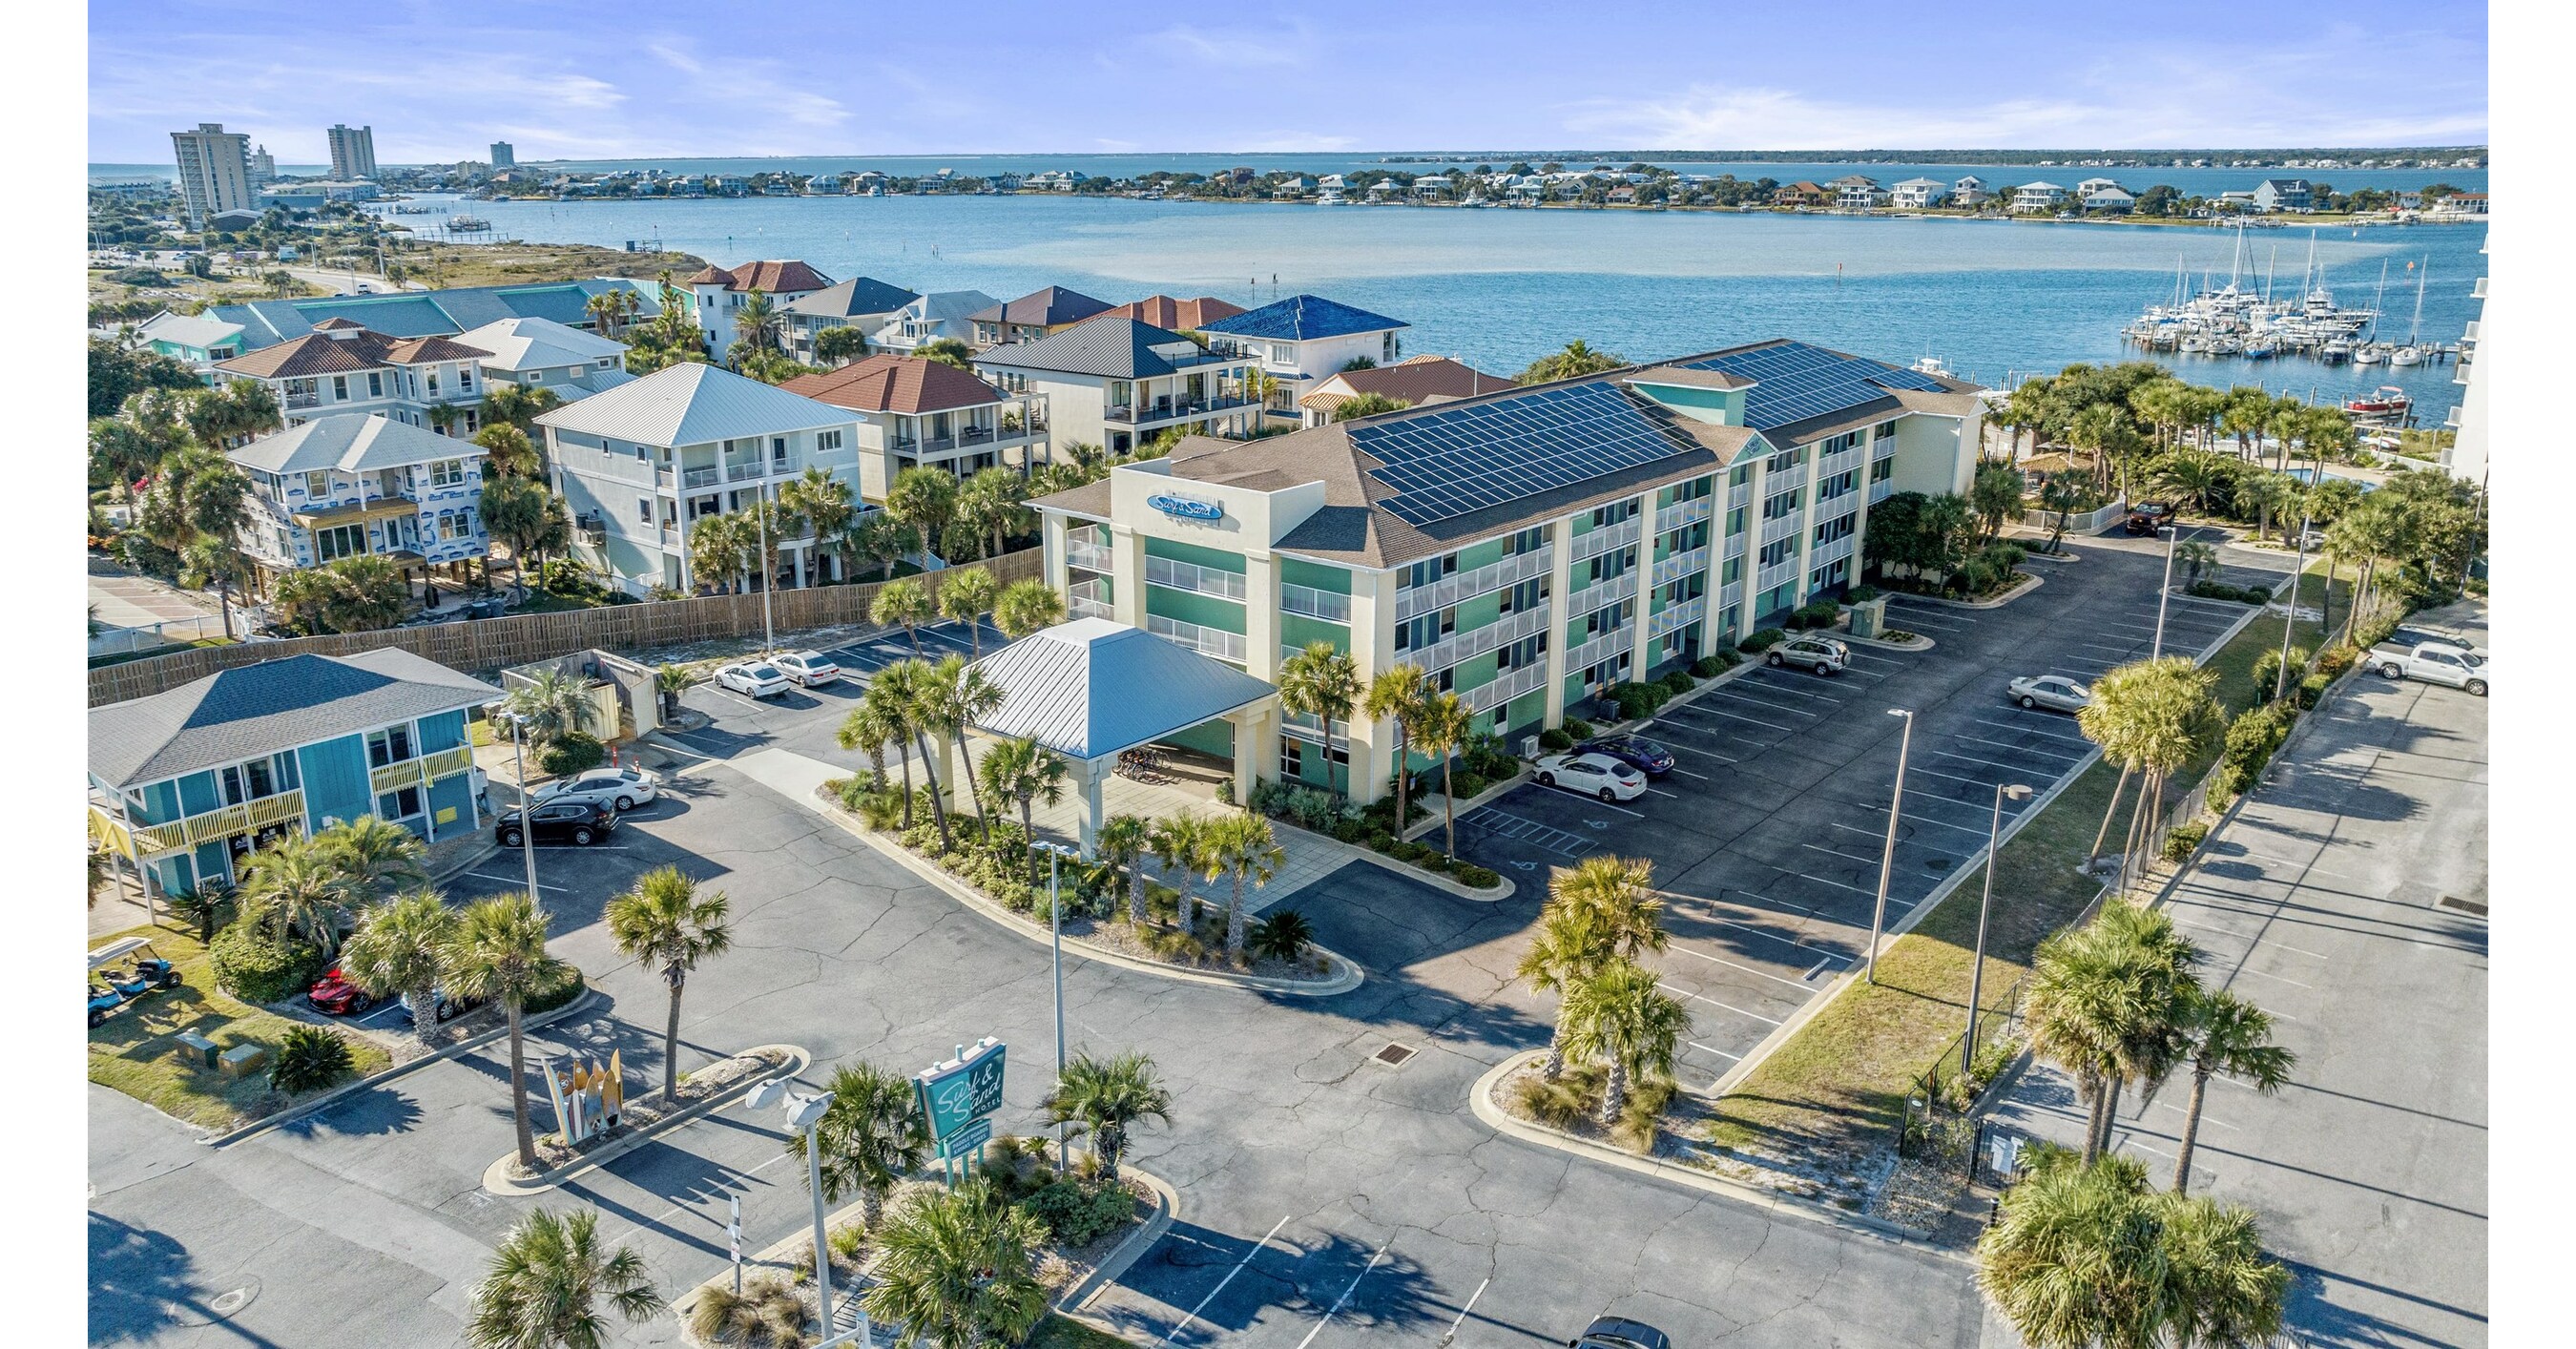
column 810, row 668
column 2057, row 693
column 623, row 788
column 1592, row 775
column 1823, row 655
column 759, row 679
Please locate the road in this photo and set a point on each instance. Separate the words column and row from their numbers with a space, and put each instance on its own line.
column 2348, row 898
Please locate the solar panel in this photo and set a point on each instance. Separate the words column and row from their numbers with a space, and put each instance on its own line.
column 1795, row 382
column 1446, row 464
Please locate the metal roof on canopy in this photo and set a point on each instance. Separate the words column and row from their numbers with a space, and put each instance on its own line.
column 1092, row 687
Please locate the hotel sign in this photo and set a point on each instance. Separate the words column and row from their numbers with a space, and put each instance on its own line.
column 955, row 1095
column 1186, row 508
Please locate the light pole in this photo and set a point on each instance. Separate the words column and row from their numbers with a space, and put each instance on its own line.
column 2164, row 594
column 1887, row 860
column 806, row 1113
column 519, row 762
column 2290, row 619
column 1977, row 972
column 1056, row 853
column 768, row 569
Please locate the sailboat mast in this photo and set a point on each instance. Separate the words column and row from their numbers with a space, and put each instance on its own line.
column 2378, row 301
column 2422, row 269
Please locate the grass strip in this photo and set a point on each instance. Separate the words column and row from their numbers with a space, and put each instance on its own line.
column 1838, row 1085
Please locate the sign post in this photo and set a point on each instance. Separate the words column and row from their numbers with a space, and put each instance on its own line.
column 957, row 1100
column 733, row 1235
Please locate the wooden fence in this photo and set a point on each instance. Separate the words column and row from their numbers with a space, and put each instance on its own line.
column 493, row 643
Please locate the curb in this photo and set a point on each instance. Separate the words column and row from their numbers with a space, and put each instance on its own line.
column 491, row 849
column 1351, row 976
column 1436, row 880
column 2034, row 555
column 1167, row 1208
column 2029, row 583
column 1920, row 642
column 261, row 1126
column 1482, row 1102
column 496, row 1177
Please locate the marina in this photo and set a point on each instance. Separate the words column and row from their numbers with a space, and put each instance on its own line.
column 2250, row 318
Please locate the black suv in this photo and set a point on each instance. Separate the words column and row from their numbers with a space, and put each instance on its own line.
column 1618, row 1332
column 2149, row 517
column 582, row 822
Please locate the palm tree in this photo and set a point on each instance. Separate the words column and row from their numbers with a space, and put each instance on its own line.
column 1175, row 842
column 914, row 686
column 376, row 852
column 1621, row 1017
column 822, row 505
column 884, row 717
column 215, row 563
column 2269, row 494
column 2232, row 1036
column 956, row 1269
column 1123, row 843
column 923, row 500
column 1239, row 845
column 2191, row 475
column 965, row 596
column 1576, row 359
column 993, row 504
column 1601, row 910
column 2195, row 558
column 720, row 549
column 872, row 1136
column 840, row 346
column 544, row 1283
column 758, row 321
column 297, row 884
column 1105, row 1098
column 905, row 602
column 663, row 922
column 2060, row 495
column 1321, row 682
column 551, row 705
column 959, row 696
column 1568, row 947
column 2108, row 1002
column 1026, row 607
column 1396, row 694
column 2148, row 717
column 400, row 947
column 2156, row 961
column 1025, row 772
column 1440, row 728
column 499, row 955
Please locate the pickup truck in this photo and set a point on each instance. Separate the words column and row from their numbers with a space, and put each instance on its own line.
column 2433, row 662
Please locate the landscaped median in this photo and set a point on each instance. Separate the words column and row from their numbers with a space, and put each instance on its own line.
column 1816, row 1108
column 643, row 1119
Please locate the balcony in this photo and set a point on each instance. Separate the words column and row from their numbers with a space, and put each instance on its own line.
column 1088, row 556
column 1448, row 590
column 1843, row 461
column 1166, row 410
column 297, row 402
column 1676, row 617
column 701, row 477
column 2479, row 291
column 1330, row 606
column 1206, row 641
column 761, row 468
column 1784, row 527
column 1474, row 642
column 1688, row 512
column 1599, row 541
column 1599, row 649
column 1679, row 565
column 152, row 840
column 1506, row 686
column 1881, row 490
column 973, row 438
column 1730, row 595
column 1739, row 494
column 1171, row 575
column 1593, row 596
column 1826, row 554
column 1734, row 545
column 1882, row 448
column 1088, row 599
column 1769, row 577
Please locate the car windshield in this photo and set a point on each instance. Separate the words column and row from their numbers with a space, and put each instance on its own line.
column 761, row 672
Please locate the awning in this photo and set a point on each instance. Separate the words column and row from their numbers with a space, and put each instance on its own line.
column 1092, row 687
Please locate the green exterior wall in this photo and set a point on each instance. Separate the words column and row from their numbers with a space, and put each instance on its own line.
column 1313, row 575
column 1296, row 630
column 1189, row 606
column 444, row 731
column 1208, row 737
column 197, row 794
column 1176, row 551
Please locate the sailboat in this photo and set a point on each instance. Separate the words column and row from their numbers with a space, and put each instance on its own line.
column 2413, row 352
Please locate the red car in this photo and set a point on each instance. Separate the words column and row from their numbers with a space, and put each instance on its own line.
column 333, row 995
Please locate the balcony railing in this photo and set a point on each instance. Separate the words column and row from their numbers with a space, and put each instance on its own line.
column 1206, row 641
column 1738, row 494
column 151, row 840
column 1688, row 512
column 1171, row 575
column 1502, row 632
column 296, row 402
column 1164, row 410
column 1734, row 545
column 1587, row 598
column 1504, row 687
column 1775, row 530
column 1826, row 554
column 1679, row 565
column 1884, row 447
column 758, row 468
column 1730, row 594
column 1449, row 590
column 1881, row 490
column 1779, row 575
column 1602, row 540
column 1599, row 649
column 1088, row 556
column 1842, row 461
column 701, row 477
column 1676, row 617
column 1330, row 606
column 1084, row 599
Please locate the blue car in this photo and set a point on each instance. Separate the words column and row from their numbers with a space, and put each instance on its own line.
column 1637, row 752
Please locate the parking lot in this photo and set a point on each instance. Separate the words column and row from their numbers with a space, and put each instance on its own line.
column 1768, row 835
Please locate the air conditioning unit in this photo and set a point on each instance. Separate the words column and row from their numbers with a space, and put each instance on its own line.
column 1529, row 747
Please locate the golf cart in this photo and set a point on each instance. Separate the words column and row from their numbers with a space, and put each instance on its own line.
column 126, row 971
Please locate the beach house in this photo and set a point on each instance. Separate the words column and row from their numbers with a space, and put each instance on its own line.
column 2035, row 197
column 341, row 367
column 537, row 353
column 2283, row 194
column 861, row 302
column 1301, row 340
column 929, row 318
column 1039, row 313
column 356, row 484
column 1915, row 194
column 1118, row 383
column 719, row 293
column 914, row 413
column 1415, row 382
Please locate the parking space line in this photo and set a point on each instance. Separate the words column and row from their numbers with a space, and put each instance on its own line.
column 2248, row 969
column 1963, row 758
column 1777, row 688
column 1658, row 791
column 1830, row 852
column 1875, row 659
column 1711, row 711
column 1257, row 1248
column 1926, row 819
column 1793, row 983
column 1346, row 1293
column 1696, row 777
column 1774, row 936
column 1702, row 997
column 1835, row 884
column 1593, row 800
column 2025, row 749
column 2051, row 718
column 1757, row 702
column 1953, row 777
column 1693, row 749
column 1733, row 1058
column 514, row 880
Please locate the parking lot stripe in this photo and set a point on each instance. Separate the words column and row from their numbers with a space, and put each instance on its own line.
column 2048, row 722
column 513, row 880
column 1777, row 681
column 1736, row 1058
column 1953, row 777
column 1793, row 983
column 1702, row 997
column 1257, row 1248
column 1774, row 936
column 1848, row 857
column 1757, row 702
column 2248, row 969
column 1835, row 884
column 1925, row 819
column 1692, row 749
column 1346, row 1293
column 1943, row 753
column 1697, row 777
column 1594, row 800
column 1713, row 712
column 2025, row 749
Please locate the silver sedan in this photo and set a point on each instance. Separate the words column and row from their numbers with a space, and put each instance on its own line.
column 2054, row 692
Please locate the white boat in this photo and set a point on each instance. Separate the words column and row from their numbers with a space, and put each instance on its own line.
column 1931, row 365
column 2409, row 354
column 1331, row 197
column 2369, row 353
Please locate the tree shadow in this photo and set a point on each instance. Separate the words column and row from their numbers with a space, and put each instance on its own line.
column 2319, row 1321
column 1196, row 1286
column 142, row 1285
column 380, row 1110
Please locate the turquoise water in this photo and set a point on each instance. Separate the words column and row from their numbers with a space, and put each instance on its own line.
column 1498, row 288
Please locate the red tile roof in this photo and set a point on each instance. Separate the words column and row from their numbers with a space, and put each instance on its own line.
column 320, row 353
column 419, row 350
column 890, row 383
column 1163, row 311
column 776, row 276
column 335, row 323
column 1415, row 381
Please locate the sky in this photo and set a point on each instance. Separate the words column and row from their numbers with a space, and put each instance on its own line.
column 647, row 78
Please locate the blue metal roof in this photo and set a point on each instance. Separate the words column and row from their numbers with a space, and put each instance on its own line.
column 1090, row 688
column 1303, row 318
column 427, row 313
column 1795, row 382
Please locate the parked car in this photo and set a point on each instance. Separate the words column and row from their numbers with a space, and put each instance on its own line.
column 2057, row 693
column 2434, row 663
column 1592, row 775
column 1823, row 655
column 578, row 822
column 758, row 679
column 811, row 669
column 1618, row 1332
column 624, row 787
column 334, row 995
column 2147, row 517
column 1636, row 751
column 448, row 1008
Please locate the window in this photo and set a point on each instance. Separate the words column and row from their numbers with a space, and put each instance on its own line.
column 1735, row 522
column 399, row 805
column 1614, row 513
column 1840, row 484
column 317, row 484
column 1739, row 475
column 536, row 377
column 432, row 377
column 465, row 379
column 339, row 541
column 248, row 782
column 389, row 746
column 1780, row 505
column 1526, row 541
column 1527, row 651
column 1834, row 530
column 446, row 472
column 827, row 440
column 1526, row 596
column 1733, row 571
column 778, row 451
column 1430, row 569
column 1693, row 490
column 1782, row 462
column 1611, row 566
column 644, row 509
column 1883, row 469
column 605, row 362
column 1425, row 629
column 1883, row 431
column 1773, row 554
column 340, row 388
column 375, row 384
column 1688, row 588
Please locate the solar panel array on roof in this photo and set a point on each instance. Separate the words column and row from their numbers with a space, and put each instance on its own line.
column 1452, row 463
column 1795, row 382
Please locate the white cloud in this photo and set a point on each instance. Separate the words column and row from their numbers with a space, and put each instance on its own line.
column 1229, row 48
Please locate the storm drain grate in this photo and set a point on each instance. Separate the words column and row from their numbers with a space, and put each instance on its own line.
column 1395, row 1055
column 2469, row 906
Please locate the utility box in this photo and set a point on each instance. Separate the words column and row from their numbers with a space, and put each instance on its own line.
column 1868, row 617
column 197, row 1051
column 243, row 1060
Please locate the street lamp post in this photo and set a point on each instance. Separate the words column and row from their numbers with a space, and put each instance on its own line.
column 1056, row 853
column 519, row 762
column 2164, row 595
column 768, row 570
column 1977, row 972
column 806, row 1113
column 2290, row 618
column 1887, row 860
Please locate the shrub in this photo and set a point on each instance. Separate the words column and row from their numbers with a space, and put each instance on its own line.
column 1762, row 640
column 1434, row 861
column 1487, row 757
column 1717, row 663
column 2312, row 690
column 309, row 1058
column 2182, row 839
column 549, row 996
column 1347, row 830
column 1406, row 850
column 1477, row 877
column 1280, row 935
column 1824, row 612
column 2267, row 667
column 2220, row 590
column 1380, row 840
column 1468, row 784
column 255, row 965
column 848, row 1240
column 1796, row 621
column 1678, row 682
column 1078, row 1213
column 573, row 752
column 1578, row 728
column 1555, row 741
column 2336, row 660
column 1861, row 594
column 1636, row 700
column 1225, row 789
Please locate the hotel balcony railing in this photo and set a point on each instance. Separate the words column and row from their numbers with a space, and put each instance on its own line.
column 1171, row 575
column 701, row 477
column 1504, row 687
column 1088, row 556
column 1826, row 554
column 427, row 768
column 1164, row 410
column 1883, row 447
column 1330, row 606
column 1679, row 565
column 1608, row 537
column 1881, row 490
column 1787, row 525
column 151, row 840
column 1450, row 589
column 1688, row 512
column 1600, row 648
column 1842, row 461
column 1085, row 600
column 1738, row 494
column 1730, row 594
column 1778, row 575
column 1475, row 642
column 1734, row 545
column 1601, row 592
column 1206, row 641
column 2479, row 291
column 1676, row 617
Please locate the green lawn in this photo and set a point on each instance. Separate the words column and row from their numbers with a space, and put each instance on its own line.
column 1839, row 1083
column 135, row 1050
